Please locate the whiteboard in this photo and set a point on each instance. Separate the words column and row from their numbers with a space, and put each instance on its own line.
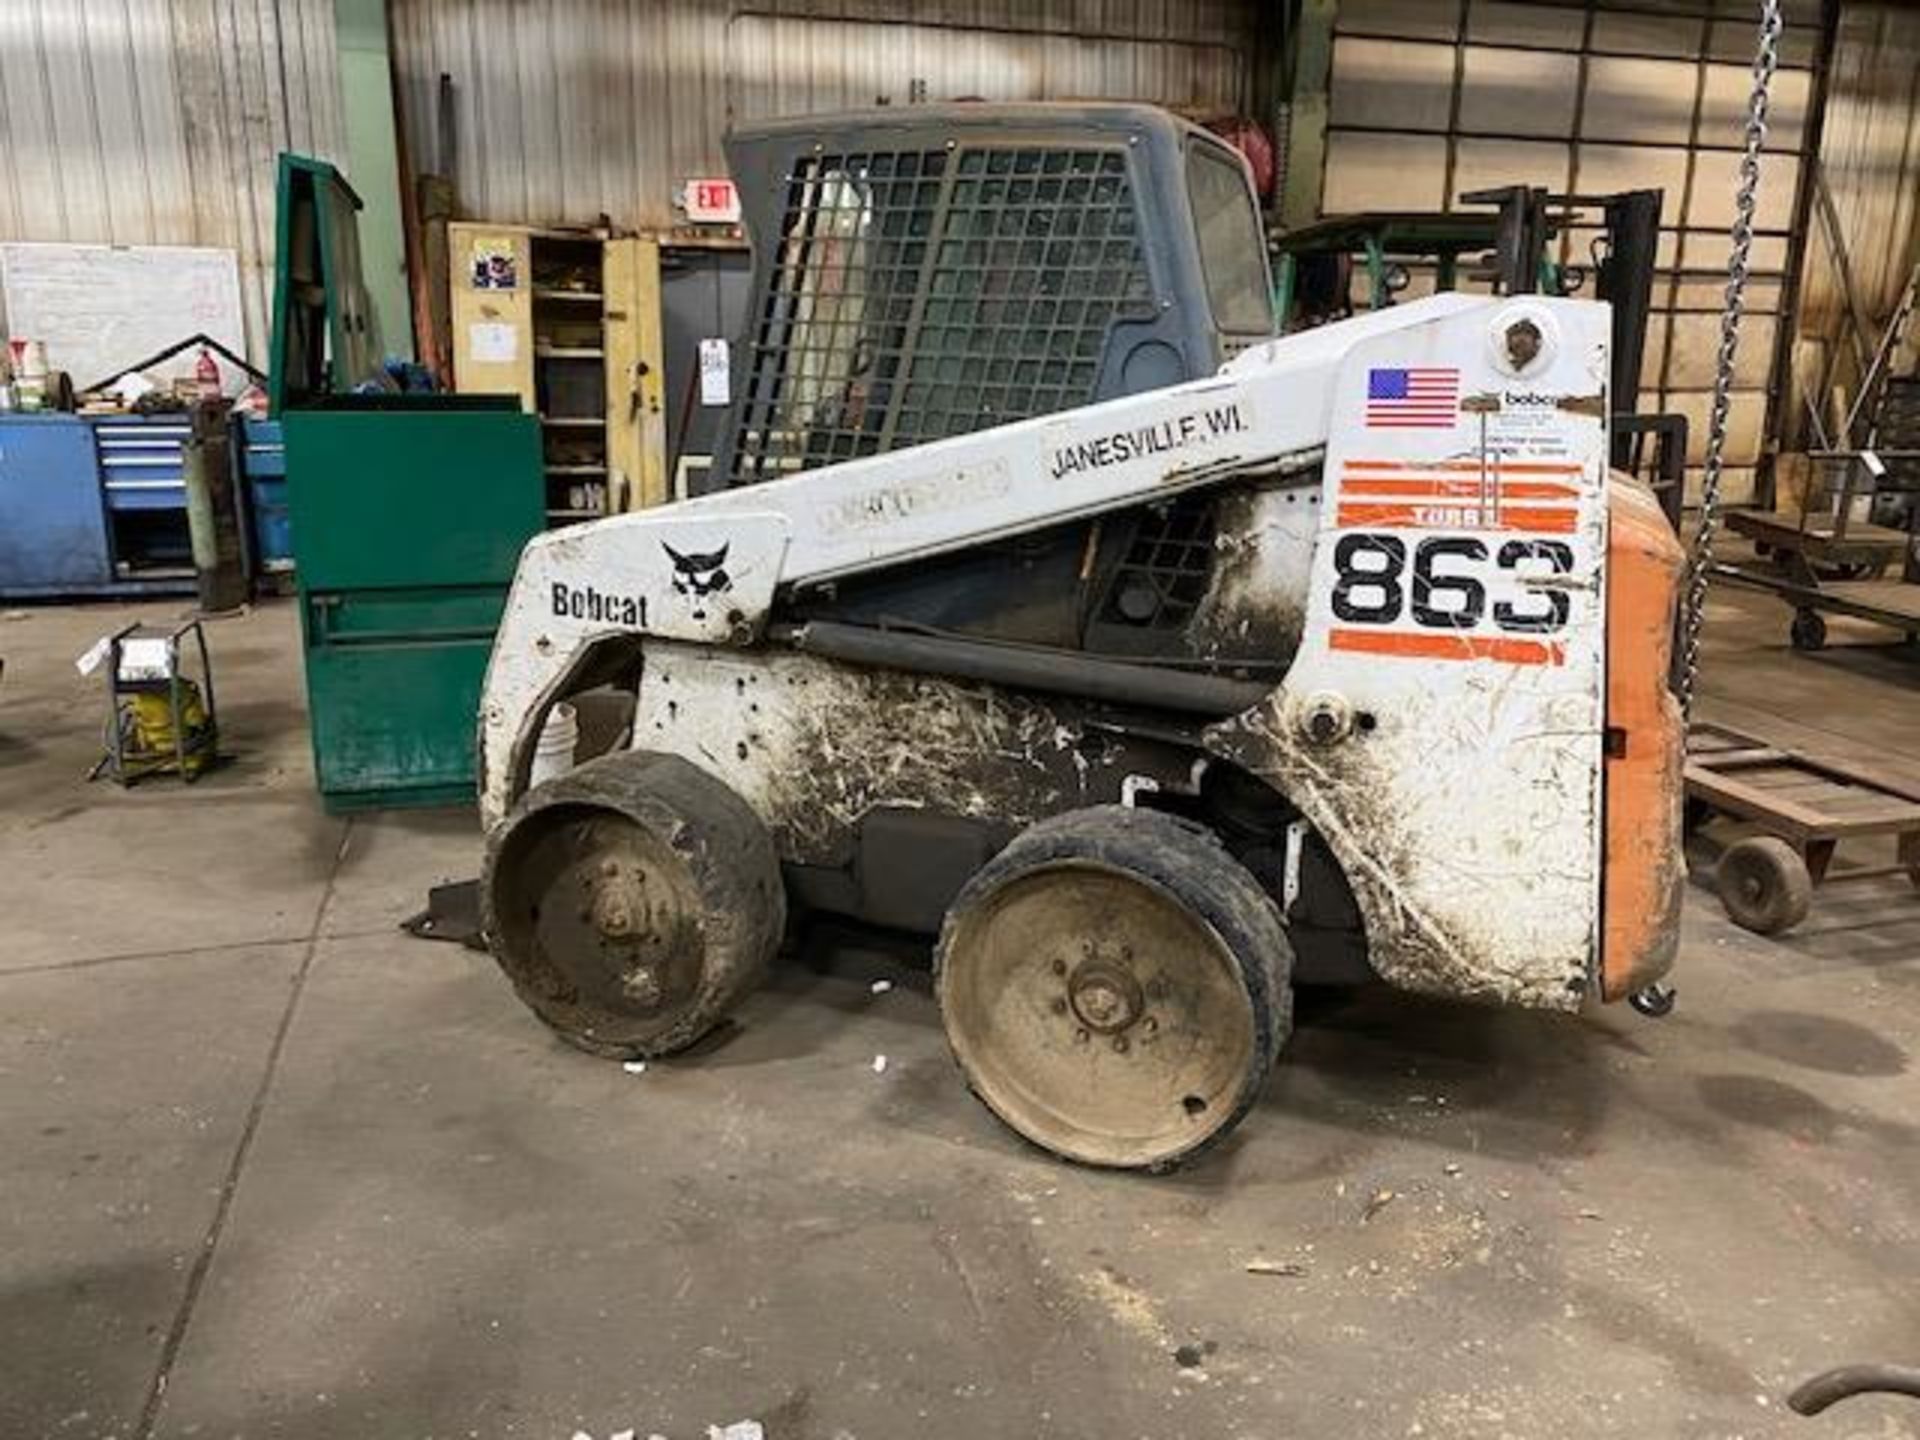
column 98, row 308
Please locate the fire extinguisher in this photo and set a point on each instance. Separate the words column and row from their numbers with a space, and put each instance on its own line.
column 206, row 374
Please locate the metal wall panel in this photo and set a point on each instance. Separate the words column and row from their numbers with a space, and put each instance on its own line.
column 566, row 110
column 1595, row 96
column 158, row 122
column 1870, row 162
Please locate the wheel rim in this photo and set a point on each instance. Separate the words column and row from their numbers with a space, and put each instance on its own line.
column 1098, row 1016
column 599, row 920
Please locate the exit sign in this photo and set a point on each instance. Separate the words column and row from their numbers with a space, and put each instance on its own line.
column 712, row 202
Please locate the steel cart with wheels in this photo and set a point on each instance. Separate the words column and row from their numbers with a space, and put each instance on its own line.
column 1807, row 805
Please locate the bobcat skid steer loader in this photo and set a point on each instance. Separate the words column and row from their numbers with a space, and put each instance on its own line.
column 1348, row 659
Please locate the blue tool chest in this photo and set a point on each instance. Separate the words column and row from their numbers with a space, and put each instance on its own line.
column 97, row 504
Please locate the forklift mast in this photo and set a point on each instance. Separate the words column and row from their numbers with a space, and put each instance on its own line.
column 1504, row 238
column 927, row 272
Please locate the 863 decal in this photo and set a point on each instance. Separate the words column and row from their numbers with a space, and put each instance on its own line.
column 1400, row 589
column 1373, row 586
column 1464, row 597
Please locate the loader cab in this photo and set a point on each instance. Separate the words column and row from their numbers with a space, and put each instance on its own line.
column 934, row 270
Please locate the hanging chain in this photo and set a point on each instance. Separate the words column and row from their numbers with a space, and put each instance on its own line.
column 1766, row 59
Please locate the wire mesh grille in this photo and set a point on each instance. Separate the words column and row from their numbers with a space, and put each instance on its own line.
column 924, row 293
column 1164, row 576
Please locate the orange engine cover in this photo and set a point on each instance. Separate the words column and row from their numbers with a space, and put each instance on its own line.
column 1646, row 746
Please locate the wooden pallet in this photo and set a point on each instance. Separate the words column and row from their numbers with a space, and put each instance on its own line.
column 1809, row 803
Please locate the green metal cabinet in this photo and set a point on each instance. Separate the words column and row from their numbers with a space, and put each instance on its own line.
column 408, row 516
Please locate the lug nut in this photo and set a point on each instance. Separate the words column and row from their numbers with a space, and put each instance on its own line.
column 1119, row 1044
column 1059, row 966
column 1081, row 1036
column 1059, row 1007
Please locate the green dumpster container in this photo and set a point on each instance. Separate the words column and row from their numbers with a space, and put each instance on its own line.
column 408, row 513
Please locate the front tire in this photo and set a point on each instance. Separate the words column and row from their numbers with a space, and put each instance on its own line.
column 633, row 902
column 1116, row 987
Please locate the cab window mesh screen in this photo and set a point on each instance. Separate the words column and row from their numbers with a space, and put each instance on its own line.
column 921, row 294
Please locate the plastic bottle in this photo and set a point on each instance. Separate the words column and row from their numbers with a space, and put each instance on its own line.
column 559, row 739
column 29, row 374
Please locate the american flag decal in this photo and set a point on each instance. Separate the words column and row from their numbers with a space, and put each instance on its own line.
column 1422, row 397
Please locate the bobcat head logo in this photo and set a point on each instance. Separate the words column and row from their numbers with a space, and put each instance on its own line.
column 698, row 576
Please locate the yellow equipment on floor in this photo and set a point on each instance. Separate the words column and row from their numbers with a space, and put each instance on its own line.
column 158, row 719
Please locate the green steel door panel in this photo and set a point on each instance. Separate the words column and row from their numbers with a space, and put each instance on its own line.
column 408, row 520
column 393, row 688
column 412, row 497
column 394, row 723
column 323, row 342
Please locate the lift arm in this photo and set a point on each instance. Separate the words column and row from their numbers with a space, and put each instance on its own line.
column 1265, row 412
column 707, row 571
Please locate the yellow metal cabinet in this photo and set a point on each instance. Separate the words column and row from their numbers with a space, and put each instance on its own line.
column 636, row 373
column 492, row 310
column 570, row 322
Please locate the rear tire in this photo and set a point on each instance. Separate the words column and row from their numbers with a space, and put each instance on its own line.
column 633, row 902
column 1115, row 986
column 1764, row 885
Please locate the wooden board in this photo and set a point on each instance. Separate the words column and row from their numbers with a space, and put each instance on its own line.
column 1815, row 536
column 1894, row 598
column 1800, row 797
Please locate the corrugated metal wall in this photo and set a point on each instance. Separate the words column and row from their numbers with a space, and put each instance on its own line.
column 568, row 109
column 1870, row 164
column 157, row 122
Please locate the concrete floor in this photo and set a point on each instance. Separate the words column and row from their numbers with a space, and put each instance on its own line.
column 273, row 1169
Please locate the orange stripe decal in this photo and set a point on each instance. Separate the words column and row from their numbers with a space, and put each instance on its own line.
column 1542, row 521
column 1459, row 489
column 1448, row 645
column 1497, row 466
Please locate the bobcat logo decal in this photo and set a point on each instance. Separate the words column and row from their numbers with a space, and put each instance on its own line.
column 698, row 576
